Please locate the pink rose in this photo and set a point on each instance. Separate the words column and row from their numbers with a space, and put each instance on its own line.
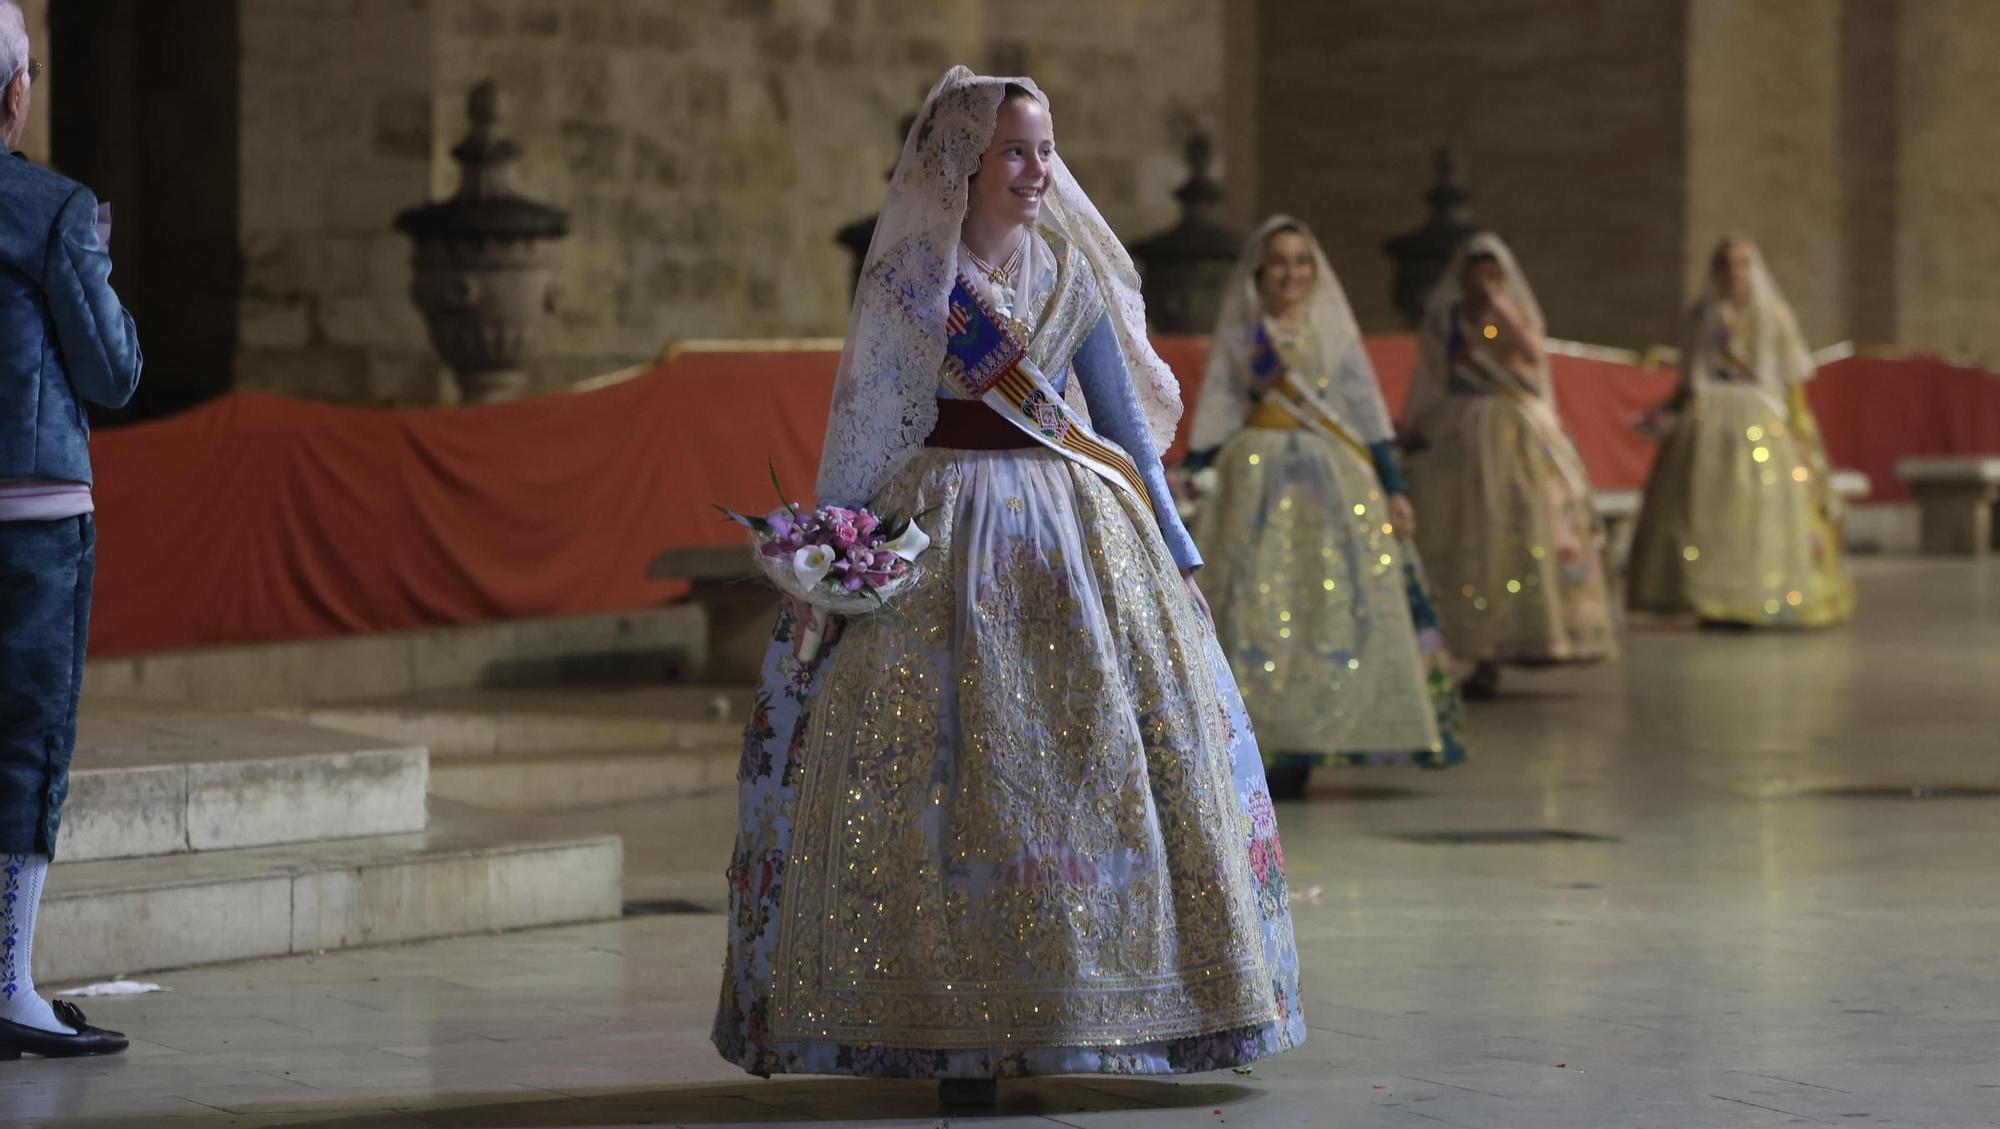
column 1260, row 860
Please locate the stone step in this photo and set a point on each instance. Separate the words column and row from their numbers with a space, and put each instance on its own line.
column 570, row 781
column 653, row 645
column 470, row 873
column 159, row 780
column 485, row 722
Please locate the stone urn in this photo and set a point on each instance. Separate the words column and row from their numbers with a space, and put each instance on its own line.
column 1184, row 268
column 484, row 263
column 1422, row 255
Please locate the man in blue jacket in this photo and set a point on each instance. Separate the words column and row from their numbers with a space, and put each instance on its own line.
column 64, row 339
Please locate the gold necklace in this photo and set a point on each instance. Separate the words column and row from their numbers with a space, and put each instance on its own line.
column 1002, row 275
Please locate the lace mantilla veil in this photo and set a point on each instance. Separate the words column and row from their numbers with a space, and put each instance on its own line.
column 1225, row 392
column 1778, row 356
column 885, row 396
column 1427, row 384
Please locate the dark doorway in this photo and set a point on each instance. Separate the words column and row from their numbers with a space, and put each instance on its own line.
column 144, row 109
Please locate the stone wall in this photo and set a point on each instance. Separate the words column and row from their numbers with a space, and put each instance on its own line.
column 1850, row 138
column 1764, row 147
column 1870, row 147
column 1613, row 142
column 708, row 150
column 335, row 138
column 1947, row 262
column 1567, row 117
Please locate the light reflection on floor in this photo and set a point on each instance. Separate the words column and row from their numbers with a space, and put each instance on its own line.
column 1742, row 949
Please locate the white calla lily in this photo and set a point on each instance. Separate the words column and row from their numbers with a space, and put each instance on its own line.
column 911, row 544
column 811, row 564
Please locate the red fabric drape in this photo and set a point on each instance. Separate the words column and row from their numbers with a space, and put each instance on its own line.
column 256, row 518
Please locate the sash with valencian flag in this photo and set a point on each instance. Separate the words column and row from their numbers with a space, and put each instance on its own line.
column 1274, row 380
column 993, row 368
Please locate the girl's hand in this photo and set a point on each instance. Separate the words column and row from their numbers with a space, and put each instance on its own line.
column 1194, row 590
column 810, row 619
column 1402, row 516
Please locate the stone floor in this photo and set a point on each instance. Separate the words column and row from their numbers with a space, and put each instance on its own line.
column 1735, row 881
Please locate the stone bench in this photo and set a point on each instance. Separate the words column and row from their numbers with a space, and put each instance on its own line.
column 1955, row 496
column 1853, row 485
column 739, row 605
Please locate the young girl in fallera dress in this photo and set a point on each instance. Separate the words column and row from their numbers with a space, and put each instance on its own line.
column 1318, row 597
column 1014, row 823
column 1740, row 525
column 1507, row 519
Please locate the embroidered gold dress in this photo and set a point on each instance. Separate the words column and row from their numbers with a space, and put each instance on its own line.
column 1506, row 518
column 1015, row 822
column 1740, row 523
column 1311, row 587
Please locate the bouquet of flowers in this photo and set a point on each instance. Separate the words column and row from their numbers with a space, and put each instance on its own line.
column 839, row 560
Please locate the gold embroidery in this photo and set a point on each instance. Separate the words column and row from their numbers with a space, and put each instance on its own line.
column 1073, row 869
column 1308, row 590
column 1063, row 330
column 1517, row 555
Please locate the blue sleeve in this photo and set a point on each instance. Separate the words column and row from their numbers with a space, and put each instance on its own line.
column 100, row 345
column 1387, row 468
column 1114, row 413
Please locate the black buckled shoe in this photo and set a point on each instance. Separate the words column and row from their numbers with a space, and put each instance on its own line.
column 1484, row 685
column 17, row 1039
